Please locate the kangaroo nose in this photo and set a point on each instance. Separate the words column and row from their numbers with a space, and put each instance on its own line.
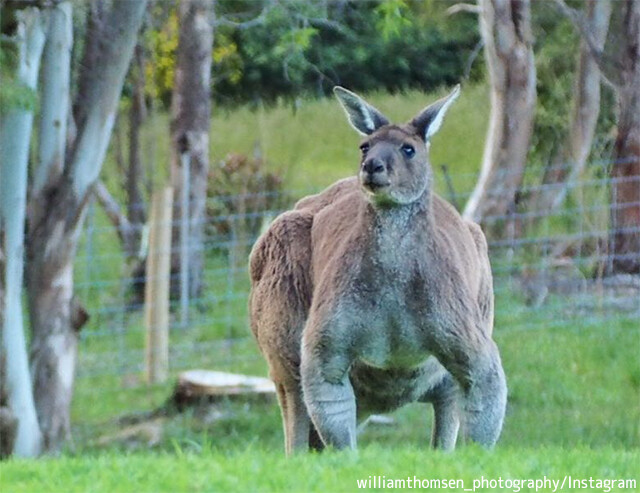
column 373, row 165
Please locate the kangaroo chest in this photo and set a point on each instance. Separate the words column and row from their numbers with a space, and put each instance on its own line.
column 378, row 272
column 389, row 305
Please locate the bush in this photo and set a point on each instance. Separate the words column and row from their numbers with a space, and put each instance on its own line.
column 243, row 196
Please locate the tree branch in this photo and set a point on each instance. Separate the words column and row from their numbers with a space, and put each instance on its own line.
column 577, row 19
column 111, row 207
column 325, row 23
column 256, row 21
column 23, row 4
column 106, row 80
column 464, row 7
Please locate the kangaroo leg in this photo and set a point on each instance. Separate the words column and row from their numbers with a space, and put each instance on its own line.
column 485, row 397
column 332, row 408
column 315, row 442
column 282, row 400
column 295, row 418
column 329, row 397
column 446, row 421
column 478, row 370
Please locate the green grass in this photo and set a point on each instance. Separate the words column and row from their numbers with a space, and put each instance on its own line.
column 571, row 385
column 257, row 469
column 316, row 146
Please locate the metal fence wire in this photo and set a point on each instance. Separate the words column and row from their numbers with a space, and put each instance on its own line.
column 549, row 268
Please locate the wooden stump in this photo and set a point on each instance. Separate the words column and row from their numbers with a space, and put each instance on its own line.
column 203, row 386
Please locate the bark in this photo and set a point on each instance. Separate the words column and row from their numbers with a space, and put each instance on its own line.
column 506, row 30
column 55, row 219
column 96, row 19
column 130, row 223
column 124, row 228
column 624, row 241
column 190, row 125
column 56, row 78
column 585, row 110
column 136, row 210
column 15, row 132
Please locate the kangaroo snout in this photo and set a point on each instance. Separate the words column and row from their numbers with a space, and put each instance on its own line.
column 374, row 165
column 373, row 174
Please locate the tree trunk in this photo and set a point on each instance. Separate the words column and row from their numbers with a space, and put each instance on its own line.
column 96, row 20
column 585, row 111
column 506, row 30
column 624, row 245
column 15, row 132
column 55, row 219
column 190, row 125
column 55, row 86
column 136, row 209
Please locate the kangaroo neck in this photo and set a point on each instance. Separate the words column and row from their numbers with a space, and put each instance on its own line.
column 390, row 225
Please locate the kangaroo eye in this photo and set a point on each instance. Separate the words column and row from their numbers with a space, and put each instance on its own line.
column 364, row 148
column 408, row 150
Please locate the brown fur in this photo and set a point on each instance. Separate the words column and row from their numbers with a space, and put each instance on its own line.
column 377, row 292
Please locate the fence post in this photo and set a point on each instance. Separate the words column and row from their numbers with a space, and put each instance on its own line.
column 156, row 296
column 185, row 216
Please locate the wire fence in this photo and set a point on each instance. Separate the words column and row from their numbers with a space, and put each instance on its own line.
column 551, row 269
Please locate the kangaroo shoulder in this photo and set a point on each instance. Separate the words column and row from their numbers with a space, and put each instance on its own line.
column 287, row 240
column 478, row 237
column 315, row 203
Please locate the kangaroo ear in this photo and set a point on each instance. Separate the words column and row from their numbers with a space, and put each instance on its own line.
column 362, row 116
column 429, row 120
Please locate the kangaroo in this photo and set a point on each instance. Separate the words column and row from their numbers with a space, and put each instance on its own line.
column 376, row 293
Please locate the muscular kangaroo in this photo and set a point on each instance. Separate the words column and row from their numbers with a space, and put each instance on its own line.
column 376, row 293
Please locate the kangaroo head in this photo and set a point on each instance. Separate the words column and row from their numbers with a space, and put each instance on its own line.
column 394, row 168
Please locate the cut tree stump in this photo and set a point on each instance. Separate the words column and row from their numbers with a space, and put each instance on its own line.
column 204, row 386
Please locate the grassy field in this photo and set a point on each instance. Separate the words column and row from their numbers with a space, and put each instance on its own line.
column 574, row 392
column 574, row 376
column 258, row 469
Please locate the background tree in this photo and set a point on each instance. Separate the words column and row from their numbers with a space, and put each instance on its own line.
column 625, row 206
column 290, row 48
column 585, row 108
column 24, row 41
column 621, row 65
column 508, row 47
column 190, row 125
column 129, row 220
column 61, row 192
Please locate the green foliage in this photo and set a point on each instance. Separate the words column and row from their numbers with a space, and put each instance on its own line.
column 555, row 69
column 556, row 73
column 305, row 48
column 226, row 59
column 393, row 18
column 13, row 93
column 382, row 45
column 162, row 41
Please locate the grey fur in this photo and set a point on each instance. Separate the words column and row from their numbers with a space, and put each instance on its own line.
column 376, row 293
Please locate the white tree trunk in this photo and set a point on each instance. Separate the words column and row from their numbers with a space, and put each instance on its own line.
column 55, row 219
column 585, row 109
column 190, row 125
column 15, row 134
column 56, row 75
column 506, row 30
